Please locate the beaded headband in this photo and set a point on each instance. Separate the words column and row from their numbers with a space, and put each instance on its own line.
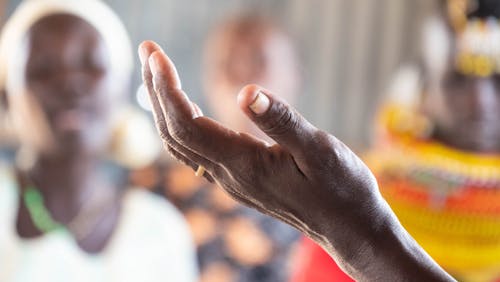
column 477, row 39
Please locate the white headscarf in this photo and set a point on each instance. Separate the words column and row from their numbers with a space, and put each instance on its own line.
column 136, row 142
column 95, row 12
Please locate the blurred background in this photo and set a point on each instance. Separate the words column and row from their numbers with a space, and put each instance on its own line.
column 437, row 141
column 348, row 48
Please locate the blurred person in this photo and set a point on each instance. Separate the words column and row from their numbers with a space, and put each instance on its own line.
column 65, row 213
column 235, row 243
column 248, row 48
column 437, row 150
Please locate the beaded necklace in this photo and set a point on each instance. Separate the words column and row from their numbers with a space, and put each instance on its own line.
column 40, row 215
column 81, row 225
column 447, row 199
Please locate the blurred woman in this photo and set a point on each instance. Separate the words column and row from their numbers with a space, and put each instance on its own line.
column 65, row 68
column 437, row 151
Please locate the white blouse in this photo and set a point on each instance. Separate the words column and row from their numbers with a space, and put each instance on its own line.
column 151, row 243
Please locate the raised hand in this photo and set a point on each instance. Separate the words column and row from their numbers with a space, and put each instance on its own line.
column 308, row 179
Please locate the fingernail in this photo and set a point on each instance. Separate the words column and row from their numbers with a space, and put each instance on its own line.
column 153, row 64
column 261, row 104
column 198, row 112
column 143, row 54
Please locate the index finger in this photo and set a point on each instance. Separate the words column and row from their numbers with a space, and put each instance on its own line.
column 147, row 48
column 202, row 135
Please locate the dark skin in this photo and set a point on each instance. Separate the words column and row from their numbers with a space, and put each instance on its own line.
column 67, row 74
column 309, row 179
column 465, row 110
column 471, row 120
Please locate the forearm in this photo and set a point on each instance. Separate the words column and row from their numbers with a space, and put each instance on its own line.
column 381, row 251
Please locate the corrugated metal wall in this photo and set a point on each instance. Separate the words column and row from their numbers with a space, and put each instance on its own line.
column 349, row 48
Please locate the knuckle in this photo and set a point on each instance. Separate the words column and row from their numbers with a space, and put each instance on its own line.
column 283, row 121
column 182, row 133
column 327, row 147
column 322, row 140
column 159, row 83
column 163, row 131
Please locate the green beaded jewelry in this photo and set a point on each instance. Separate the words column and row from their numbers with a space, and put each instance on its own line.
column 33, row 200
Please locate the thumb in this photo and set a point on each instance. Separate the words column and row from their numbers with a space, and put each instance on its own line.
column 277, row 119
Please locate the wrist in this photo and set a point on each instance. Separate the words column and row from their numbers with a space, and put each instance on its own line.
column 373, row 246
